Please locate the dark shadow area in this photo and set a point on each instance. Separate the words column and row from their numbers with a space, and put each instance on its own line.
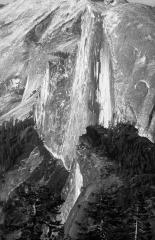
column 133, row 154
column 122, row 212
column 32, row 214
column 17, row 140
column 2, row 6
column 32, row 210
column 126, row 212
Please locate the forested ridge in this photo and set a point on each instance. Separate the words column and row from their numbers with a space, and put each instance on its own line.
column 120, row 213
column 31, row 212
column 126, row 212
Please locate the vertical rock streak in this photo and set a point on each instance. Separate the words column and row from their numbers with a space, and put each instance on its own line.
column 40, row 111
column 78, row 182
column 80, row 115
column 93, row 71
column 104, row 87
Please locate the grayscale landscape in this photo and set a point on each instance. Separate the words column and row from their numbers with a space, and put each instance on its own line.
column 77, row 119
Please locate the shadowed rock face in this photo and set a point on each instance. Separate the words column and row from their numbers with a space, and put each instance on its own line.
column 75, row 64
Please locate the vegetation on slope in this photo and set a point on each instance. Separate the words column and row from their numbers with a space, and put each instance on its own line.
column 32, row 214
column 16, row 138
column 126, row 212
column 32, row 210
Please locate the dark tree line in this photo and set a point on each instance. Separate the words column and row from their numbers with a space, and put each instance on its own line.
column 115, row 220
column 33, row 211
column 133, row 154
column 127, row 213
column 12, row 141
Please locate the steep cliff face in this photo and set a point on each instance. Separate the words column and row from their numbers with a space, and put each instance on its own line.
column 77, row 63
column 131, row 40
column 30, row 32
column 69, row 98
column 71, row 64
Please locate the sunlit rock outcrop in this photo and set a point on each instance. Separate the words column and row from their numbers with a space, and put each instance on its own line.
column 108, row 80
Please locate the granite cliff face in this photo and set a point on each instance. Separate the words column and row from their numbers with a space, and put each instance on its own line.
column 133, row 53
column 72, row 64
column 77, row 63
